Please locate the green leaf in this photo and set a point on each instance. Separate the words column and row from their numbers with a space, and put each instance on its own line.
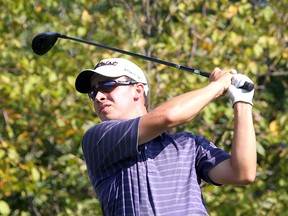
column 2, row 153
column 260, row 149
column 258, row 50
column 4, row 208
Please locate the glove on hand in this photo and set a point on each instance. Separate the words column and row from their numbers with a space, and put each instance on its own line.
column 237, row 94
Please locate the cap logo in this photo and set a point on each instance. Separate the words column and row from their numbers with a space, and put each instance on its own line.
column 133, row 74
column 112, row 63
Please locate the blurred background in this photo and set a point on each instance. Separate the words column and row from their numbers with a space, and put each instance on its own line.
column 42, row 117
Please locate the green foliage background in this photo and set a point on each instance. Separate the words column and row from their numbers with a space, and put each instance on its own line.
column 42, row 117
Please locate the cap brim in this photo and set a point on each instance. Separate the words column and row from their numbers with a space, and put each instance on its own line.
column 83, row 80
column 82, row 83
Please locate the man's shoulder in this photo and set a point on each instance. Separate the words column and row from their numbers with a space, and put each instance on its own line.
column 183, row 135
column 110, row 128
column 106, row 125
column 186, row 137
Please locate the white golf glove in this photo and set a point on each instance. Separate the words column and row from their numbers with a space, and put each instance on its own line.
column 237, row 94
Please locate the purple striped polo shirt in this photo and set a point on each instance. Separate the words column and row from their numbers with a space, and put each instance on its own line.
column 161, row 177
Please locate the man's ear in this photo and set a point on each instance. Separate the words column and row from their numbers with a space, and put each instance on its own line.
column 139, row 90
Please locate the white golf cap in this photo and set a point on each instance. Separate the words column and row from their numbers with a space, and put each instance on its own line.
column 112, row 68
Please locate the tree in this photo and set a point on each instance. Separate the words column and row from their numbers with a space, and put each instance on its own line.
column 42, row 171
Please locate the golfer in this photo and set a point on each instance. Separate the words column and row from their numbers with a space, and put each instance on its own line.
column 136, row 166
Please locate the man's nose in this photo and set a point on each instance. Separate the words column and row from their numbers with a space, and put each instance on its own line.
column 100, row 96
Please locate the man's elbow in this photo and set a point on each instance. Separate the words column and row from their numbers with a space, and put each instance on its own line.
column 247, row 179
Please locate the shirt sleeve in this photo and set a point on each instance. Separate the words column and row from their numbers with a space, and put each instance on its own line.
column 110, row 142
column 208, row 156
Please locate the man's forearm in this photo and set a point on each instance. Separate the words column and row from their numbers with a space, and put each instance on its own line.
column 177, row 111
column 243, row 153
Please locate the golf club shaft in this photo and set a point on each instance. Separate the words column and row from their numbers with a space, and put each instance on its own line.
column 200, row 72
column 43, row 42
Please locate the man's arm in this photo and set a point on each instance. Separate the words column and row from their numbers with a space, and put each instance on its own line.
column 182, row 108
column 240, row 169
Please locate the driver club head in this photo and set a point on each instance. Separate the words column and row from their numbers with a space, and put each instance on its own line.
column 43, row 42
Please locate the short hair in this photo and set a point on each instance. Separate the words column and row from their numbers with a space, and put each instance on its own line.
column 146, row 96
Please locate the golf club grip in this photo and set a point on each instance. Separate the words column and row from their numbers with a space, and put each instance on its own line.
column 247, row 85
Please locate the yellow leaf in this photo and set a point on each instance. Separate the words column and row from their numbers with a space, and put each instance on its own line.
column 70, row 132
column 141, row 43
column 160, row 67
column 35, row 174
column 274, row 128
column 206, row 45
column 216, row 61
column 4, row 143
column 39, row 8
column 22, row 136
column 5, row 79
column 10, row 131
column 39, row 141
column 86, row 17
column 285, row 54
column 232, row 11
column 23, row 166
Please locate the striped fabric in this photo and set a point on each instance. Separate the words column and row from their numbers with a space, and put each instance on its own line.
column 161, row 177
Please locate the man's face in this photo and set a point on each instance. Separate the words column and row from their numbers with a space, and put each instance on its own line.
column 115, row 104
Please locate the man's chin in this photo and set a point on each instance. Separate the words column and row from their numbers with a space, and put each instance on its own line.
column 106, row 117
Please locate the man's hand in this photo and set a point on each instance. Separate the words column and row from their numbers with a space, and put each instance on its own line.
column 237, row 94
column 222, row 79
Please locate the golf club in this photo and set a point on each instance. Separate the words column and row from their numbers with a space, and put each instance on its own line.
column 43, row 42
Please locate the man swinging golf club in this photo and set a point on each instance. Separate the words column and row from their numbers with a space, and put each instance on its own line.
column 136, row 166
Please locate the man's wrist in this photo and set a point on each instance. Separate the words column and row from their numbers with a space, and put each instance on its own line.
column 217, row 87
column 241, row 105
